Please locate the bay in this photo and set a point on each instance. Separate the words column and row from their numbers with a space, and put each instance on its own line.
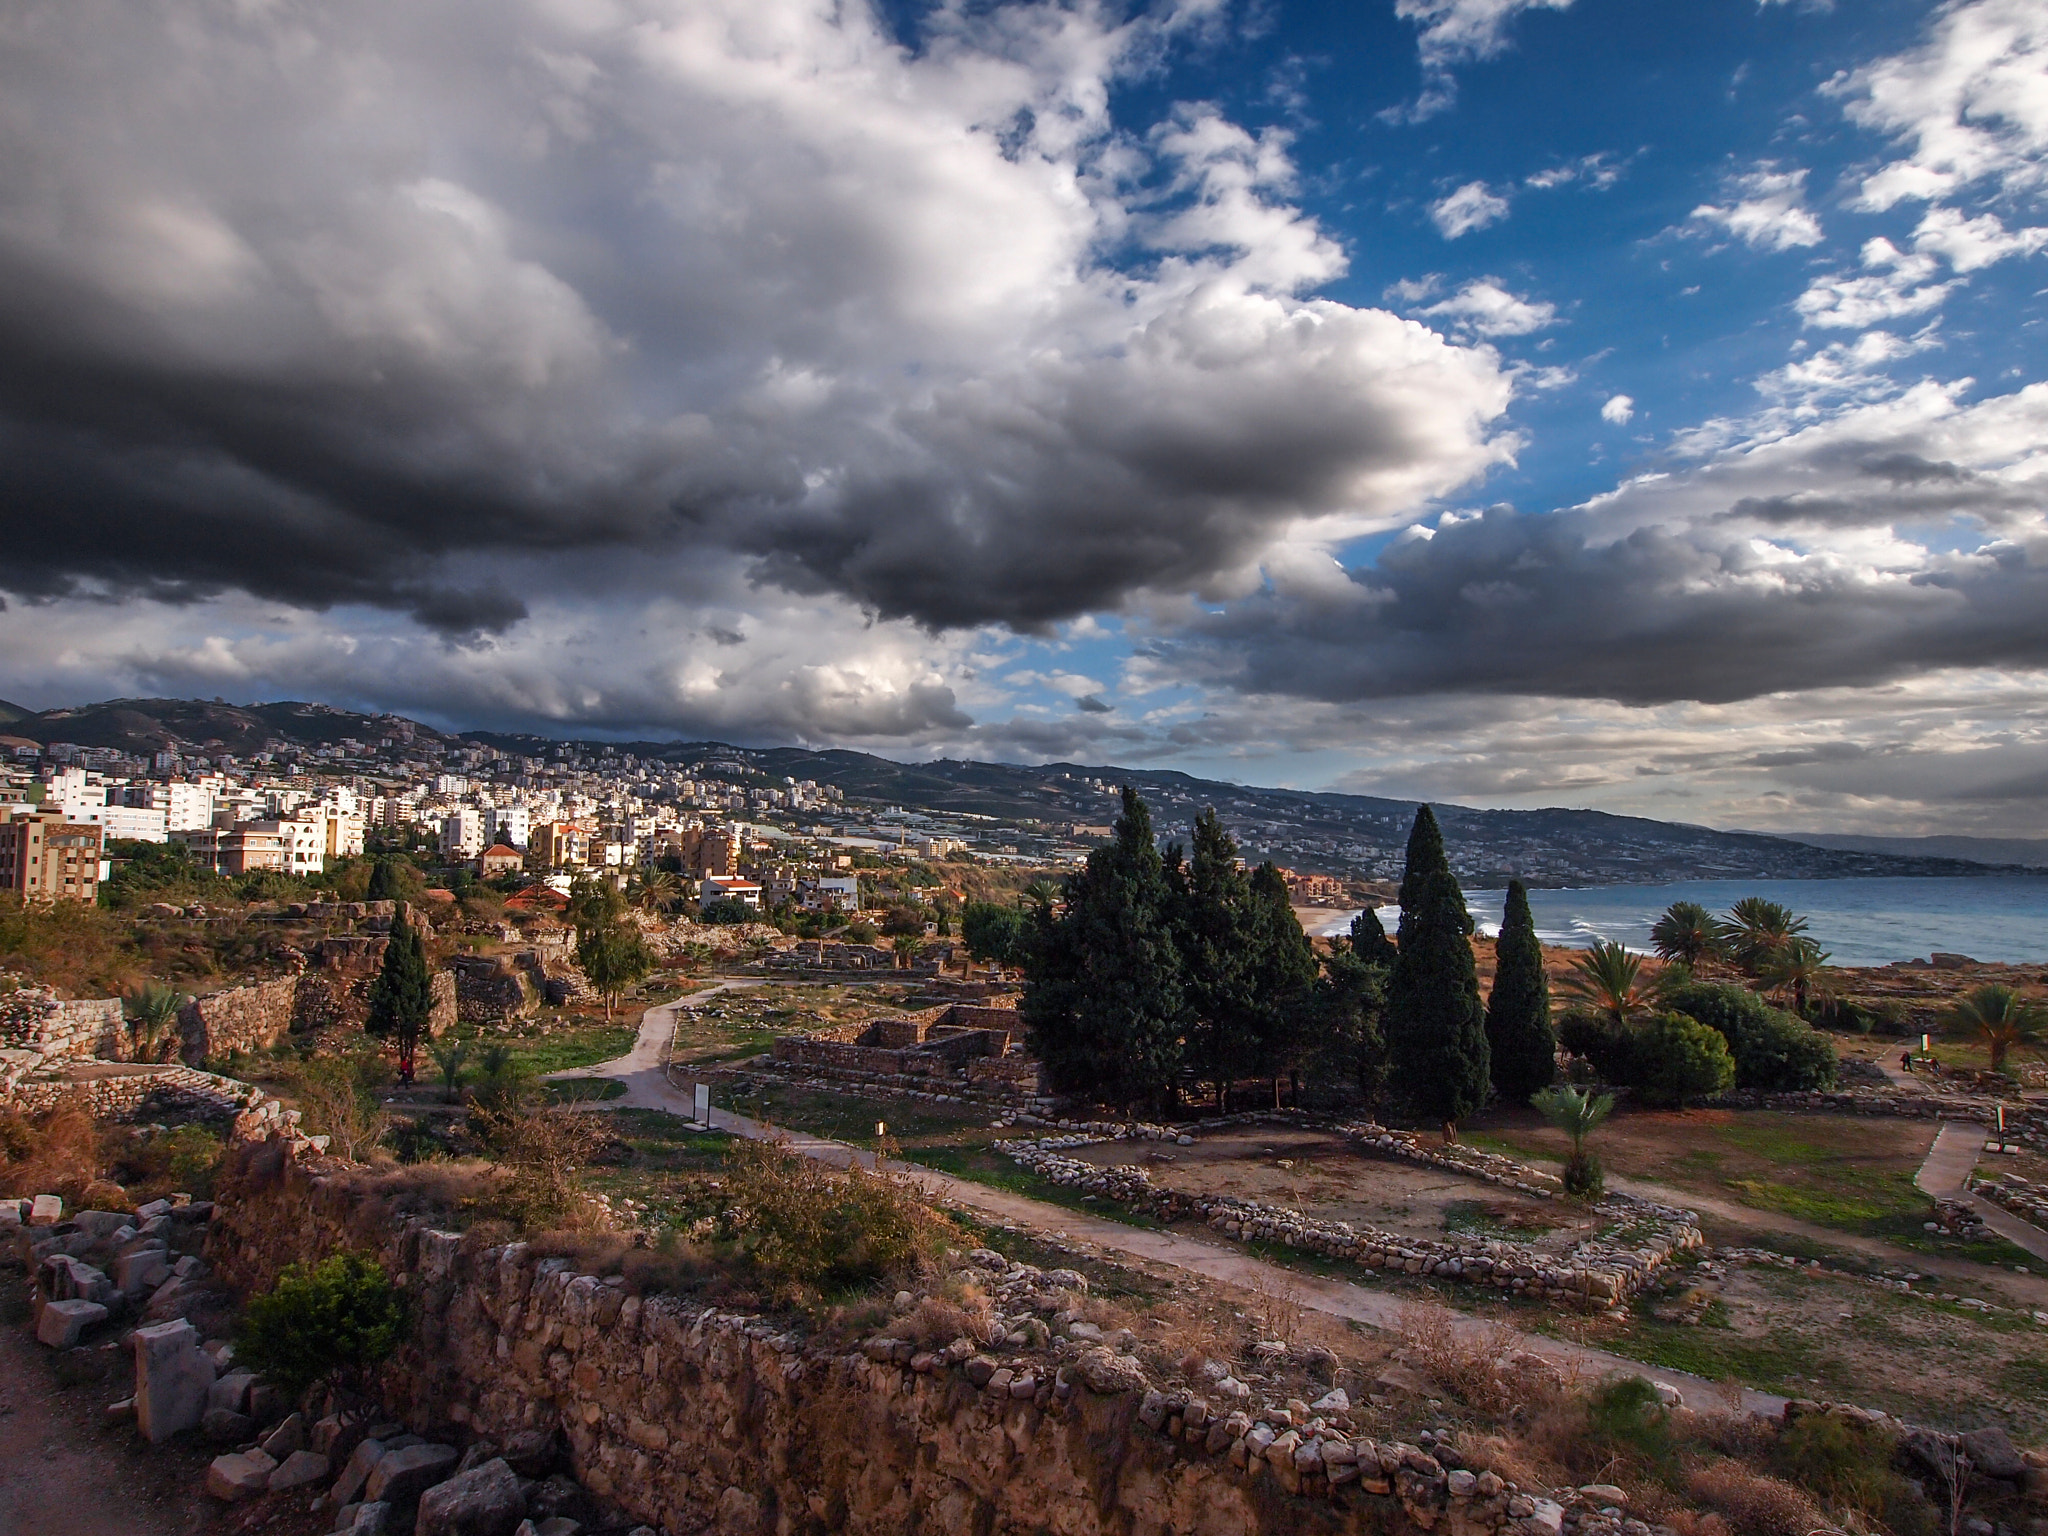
column 1859, row 922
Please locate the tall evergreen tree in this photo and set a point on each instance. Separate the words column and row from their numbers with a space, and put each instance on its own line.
column 383, row 881
column 1369, row 940
column 402, row 996
column 1436, row 1028
column 1283, row 974
column 1103, row 1002
column 1349, row 999
column 1518, row 1035
column 1214, row 897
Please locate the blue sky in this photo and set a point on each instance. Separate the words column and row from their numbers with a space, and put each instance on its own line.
column 1510, row 401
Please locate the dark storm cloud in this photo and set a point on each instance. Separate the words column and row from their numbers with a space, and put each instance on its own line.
column 331, row 303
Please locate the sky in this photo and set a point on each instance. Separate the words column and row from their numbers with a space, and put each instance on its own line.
column 1512, row 402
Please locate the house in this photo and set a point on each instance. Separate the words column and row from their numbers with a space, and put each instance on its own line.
column 829, row 893
column 537, row 898
column 498, row 859
column 44, row 855
column 717, row 888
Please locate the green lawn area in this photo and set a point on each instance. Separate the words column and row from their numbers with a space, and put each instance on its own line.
column 585, row 1090
column 557, row 1050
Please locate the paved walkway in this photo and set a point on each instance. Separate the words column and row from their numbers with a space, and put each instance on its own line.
column 1946, row 1176
column 648, row 1087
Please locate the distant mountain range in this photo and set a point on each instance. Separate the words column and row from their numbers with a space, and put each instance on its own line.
column 1046, row 807
column 2029, row 851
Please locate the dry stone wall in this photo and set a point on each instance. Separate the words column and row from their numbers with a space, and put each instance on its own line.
column 695, row 1419
column 62, row 1029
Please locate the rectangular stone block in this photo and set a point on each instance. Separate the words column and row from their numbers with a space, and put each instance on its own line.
column 172, row 1379
column 63, row 1322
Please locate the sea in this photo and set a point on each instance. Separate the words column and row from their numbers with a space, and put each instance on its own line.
column 1858, row 921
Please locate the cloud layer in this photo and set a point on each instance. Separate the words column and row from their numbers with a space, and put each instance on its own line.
column 334, row 305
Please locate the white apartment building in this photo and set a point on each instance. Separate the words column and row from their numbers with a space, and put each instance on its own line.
column 511, row 824
column 462, row 833
column 713, row 889
column 303, row 843
column 142, row 823
column 186, row 807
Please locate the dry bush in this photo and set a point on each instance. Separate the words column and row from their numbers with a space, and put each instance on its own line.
column 1489, row 1367
column 338, row 1099
column 1754, row 1503
column 1275, row 1314
column 540, row 1152
column 936, row 1322
column 60, row 1151
column 1515, row 1459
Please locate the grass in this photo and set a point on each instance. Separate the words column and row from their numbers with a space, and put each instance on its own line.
column 585, row 1090
column 561, row 1049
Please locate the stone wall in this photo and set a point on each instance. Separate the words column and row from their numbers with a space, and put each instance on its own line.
column 63, row 1029
column 695, row 1419
column 490, row 990
column 250, row 1018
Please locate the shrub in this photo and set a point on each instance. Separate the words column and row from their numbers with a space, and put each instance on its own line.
column 1583, row 1176
column 328, row 1325
column 1679, row 1060
column 728, row 912
column 1625, row 1417
column 1774, row 1052
column 808, row 1228
column 1598, row 1038
column 1849, row 1465
column 186, row 1159
column 540, row 1151
column 1754, row 1503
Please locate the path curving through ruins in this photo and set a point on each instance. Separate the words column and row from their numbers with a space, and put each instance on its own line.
column 648, row 1087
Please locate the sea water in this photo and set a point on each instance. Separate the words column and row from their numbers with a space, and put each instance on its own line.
column 1858, row 921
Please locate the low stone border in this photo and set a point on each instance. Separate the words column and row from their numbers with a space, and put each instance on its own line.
column 2025, row 1121
column 1770, row 1259
column 2023, row 1197
column 1639, row 1240
column 1493, row 1167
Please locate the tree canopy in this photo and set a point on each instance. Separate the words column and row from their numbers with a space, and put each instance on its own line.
column 1438, row 1061
column 402, row 996
column 1521, row 1046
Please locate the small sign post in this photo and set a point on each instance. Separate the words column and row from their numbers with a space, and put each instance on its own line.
column 702, row 1105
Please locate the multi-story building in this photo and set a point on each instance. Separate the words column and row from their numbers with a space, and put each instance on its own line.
column 185, row 806
column 46, row 856
column 462, row 833
column 558, row 845
column 138, row 823
column 302, row 845
column 510, row 824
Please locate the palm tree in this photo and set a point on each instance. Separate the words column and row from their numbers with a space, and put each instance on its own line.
column 1687, row 934
column 906, row 946
column 1796, row 968
column 1610, row 978
column 1040, row 894
column 1998, row 1016
column 449, row 1055
column 1756, row 931
column 152, row 1020
column 1576, row 1112
column 655, row 890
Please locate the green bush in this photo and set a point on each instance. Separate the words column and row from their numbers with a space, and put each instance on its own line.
column 1774, row 1052
column 1609, row 1046
column 809, row 1228
column 328, row 1325
column 1625, row 1417
column 1679, row 1060
column 1849, row 1465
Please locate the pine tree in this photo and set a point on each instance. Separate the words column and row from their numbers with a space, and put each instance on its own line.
column 1283, row 974
column 1210, row 922
column 402, row 997
column 1436, row 1029
column 1518, row 1034
column 1349, row 1000
column 383, row 882
column 1103, row 1002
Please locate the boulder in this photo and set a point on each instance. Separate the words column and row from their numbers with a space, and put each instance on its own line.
column 224, row 1426
column 63, row 1322
column 402, row 1475
column 355, row 1476
column 288, row 1437
column 239, row 1475
column 231, row 1391
column 484, row 1501
column 138, row 1274
column 172, row 1377
column 46, row 1210
column 364, row 1520
column 297, row 1470
column 1992, row 1453
column 1107, row 1372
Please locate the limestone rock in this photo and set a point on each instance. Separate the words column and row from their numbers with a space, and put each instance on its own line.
column 484, row 1501
column 288, row 1437
column 223, row 1426
column 172, row 1377
column 402, row 1475
column 63, row 1322
column 46, row 1210
column 298, row 1469
column 1991, row 1452
column 1105, row 1371
column 239, row 1475
column 355, row 1475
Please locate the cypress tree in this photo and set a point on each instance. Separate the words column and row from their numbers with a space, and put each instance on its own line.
column 1103, row 1001
column 383, row 883
column 402, row 997
column 1222, row 1042
column 1435, row 1026
column 1369, row 940
column 1283, row 974
column 1518, row 1034
column 1349, row 999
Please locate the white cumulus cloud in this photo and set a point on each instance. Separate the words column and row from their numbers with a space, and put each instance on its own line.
column 1619, row 409
column 1471, row 207
column 1484, row 308
column 1766, row 211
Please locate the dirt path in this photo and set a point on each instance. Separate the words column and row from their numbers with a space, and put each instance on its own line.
column 59, row 1476
column 1946, row 1176
column 650, row 1089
